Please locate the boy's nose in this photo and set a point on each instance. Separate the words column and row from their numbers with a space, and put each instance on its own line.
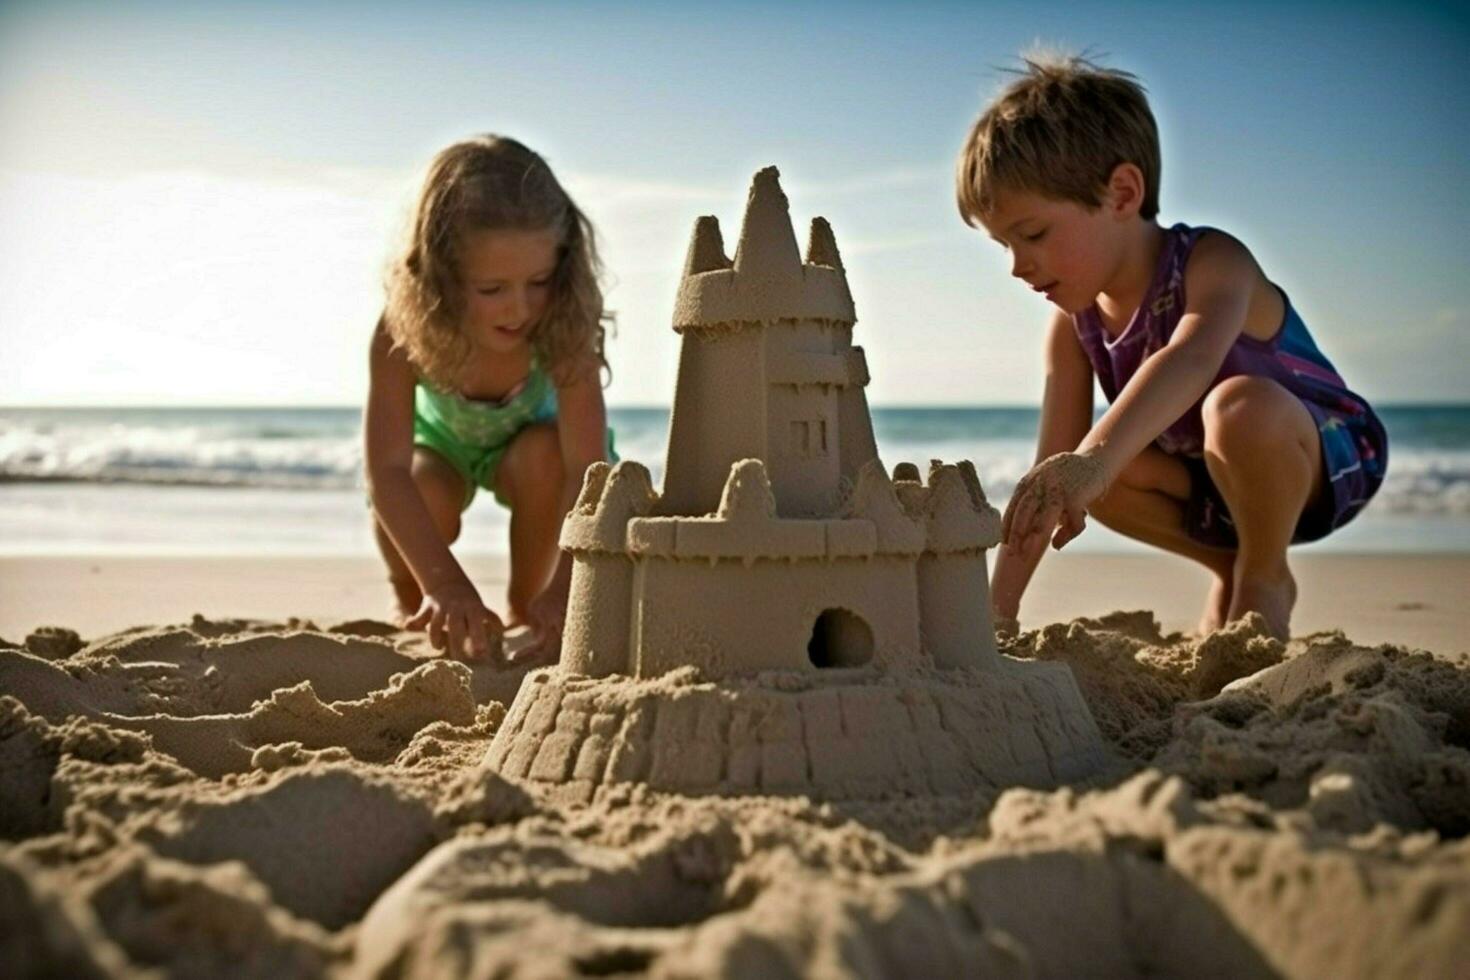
column 1019, row 268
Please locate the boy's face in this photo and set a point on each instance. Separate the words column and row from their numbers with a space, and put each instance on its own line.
column 1060, row 249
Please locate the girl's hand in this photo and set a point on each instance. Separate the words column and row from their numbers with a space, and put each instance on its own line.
column 1054, row 496
column 458, row 622
column 546, row 614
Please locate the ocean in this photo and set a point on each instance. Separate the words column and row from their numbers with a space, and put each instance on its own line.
column 288, row 480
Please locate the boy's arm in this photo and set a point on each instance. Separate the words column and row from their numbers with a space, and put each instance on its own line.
column 1218, row 284
column 1219, row 280
column 1066, row 415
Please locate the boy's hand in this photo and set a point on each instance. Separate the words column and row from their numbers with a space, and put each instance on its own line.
column 1053, row 497
column 458, row 622
column 546, row 614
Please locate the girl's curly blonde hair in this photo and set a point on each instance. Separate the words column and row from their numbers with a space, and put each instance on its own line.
column 493, row 182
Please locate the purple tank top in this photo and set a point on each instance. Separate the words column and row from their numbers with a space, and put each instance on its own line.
column 1290, row 358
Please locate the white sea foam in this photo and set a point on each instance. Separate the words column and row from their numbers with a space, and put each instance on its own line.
column 321, row 450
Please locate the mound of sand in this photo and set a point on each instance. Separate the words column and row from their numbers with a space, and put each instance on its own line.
column 244, row 798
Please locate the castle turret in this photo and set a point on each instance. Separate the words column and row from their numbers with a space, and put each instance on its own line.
column 954, row 589
column 595, row 638
column 767, row 369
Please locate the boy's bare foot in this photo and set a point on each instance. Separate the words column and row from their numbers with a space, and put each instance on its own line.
column 1217, row 605
column 1273, row 596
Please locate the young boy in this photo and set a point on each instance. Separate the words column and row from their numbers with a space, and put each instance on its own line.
column 1230, row 435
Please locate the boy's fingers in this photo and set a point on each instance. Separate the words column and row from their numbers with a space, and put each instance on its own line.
column 1047, row 522
column 1072, row 524
column 419, row 619
column 436, row 629
column 1020, row 513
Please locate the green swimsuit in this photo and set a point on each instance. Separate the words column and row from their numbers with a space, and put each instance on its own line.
column 474, row 435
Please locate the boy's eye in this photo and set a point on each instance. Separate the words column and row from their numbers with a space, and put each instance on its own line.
column 1036, row 237
column 540, row 282
column 488, row 290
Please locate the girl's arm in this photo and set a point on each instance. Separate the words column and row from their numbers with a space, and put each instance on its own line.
column 1219, row 281
column 452, row 608
column 581, row 425
column 1066, row 414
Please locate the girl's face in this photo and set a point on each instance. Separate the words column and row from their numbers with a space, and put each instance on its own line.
column 1061, row 249
column 507, row 280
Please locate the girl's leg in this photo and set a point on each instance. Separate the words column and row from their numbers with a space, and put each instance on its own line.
column 443, row 490
column 531, row 477
column 1265, row 454
column 1147, row 503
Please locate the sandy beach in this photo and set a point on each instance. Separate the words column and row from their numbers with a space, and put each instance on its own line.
column 233, row 770
column 1418, row 601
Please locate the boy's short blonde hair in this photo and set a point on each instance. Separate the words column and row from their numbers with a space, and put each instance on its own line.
column 1059, row 130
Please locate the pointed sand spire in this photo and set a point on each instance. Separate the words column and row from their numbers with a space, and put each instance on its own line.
column 821, row 246
column 594, row 481
column 767, row 248
column 748, row 495
column 706, row 247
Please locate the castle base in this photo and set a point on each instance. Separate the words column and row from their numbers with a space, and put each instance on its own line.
column 837, row 735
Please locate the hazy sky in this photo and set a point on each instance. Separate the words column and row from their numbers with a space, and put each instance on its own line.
column 197, row 200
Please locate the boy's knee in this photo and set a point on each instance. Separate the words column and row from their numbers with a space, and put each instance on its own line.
column 1249, row 410
column 1106, row 507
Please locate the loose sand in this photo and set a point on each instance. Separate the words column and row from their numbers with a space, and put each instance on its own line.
column 247, row 798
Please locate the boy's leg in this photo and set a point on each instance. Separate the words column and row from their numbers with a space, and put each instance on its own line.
column 1147, row 503
column 443, row 490
column 1264, row 453
column 530, row 479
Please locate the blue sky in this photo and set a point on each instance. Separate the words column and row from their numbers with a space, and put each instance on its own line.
column 196, row 200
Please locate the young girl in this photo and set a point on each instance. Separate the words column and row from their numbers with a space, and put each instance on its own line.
column 485, row 372
column 1230, row 435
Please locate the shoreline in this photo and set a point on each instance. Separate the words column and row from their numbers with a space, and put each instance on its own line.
column 1415, row 600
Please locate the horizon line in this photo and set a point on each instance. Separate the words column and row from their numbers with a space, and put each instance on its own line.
column 641, row 406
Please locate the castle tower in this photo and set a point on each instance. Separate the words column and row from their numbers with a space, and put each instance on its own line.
column 767, row 369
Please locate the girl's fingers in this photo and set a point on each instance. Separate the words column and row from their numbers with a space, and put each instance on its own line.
column 495, row 631
column 436, row 629
column 419, row 619
column 479, row 642
column 528, row 652
column 456, row 634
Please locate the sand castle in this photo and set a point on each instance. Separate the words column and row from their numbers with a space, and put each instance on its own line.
column 783, row 616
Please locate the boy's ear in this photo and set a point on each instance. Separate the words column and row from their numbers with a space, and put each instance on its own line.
column 1125, row 190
